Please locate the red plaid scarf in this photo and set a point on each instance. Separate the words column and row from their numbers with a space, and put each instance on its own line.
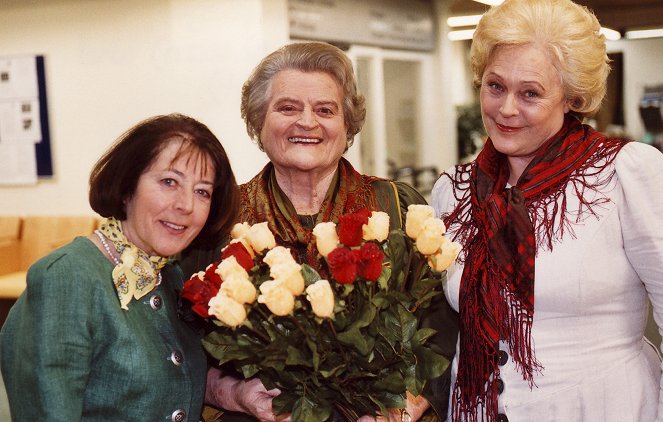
column 501, row 229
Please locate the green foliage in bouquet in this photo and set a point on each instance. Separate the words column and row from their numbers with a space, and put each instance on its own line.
column 359, row 359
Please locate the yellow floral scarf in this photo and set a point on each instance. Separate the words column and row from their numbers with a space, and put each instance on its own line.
column 135, row 273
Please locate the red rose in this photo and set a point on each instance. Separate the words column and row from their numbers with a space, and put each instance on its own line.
column 212, row 277
column 238, row 250
column 369, row 259
column 199, row 291
column 343, row 265
column 349, row 227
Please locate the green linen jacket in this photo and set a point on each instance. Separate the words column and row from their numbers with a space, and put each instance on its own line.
column 70, row 353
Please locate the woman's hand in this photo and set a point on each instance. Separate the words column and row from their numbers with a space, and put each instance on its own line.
column 415, row 406
column 247, row 396
column 256, row 400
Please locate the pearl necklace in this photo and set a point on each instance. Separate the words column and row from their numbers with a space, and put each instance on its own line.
column 113, row 256
column 102, row 239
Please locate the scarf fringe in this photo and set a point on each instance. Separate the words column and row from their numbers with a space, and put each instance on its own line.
column 497, row 300
column 549, row 214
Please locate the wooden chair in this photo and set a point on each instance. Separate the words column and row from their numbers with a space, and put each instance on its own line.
column 43, row 234
column 10, row 235
column 10, row 227
column 39, row 235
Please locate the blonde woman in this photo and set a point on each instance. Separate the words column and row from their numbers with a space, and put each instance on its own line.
column 561, row 234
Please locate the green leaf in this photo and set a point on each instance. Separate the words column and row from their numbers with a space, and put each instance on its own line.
column 425, row 286
column 398, row 254
column 333, row 371
column 391, row 331
column 429, row 364
column 249, row 371
column 310, row 274
column 306, row 410
column 315, row 359
column 297, row 357
column 284, row 401
column 290, row 380
column 408, row 324
column 386, row 400
column 354, row 337
column 422, row 335
column 383, row 300
column 393, row 382
column 414, row 384
column 385, row 275
column 400, row 325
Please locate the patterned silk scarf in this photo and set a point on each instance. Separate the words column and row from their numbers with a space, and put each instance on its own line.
column 136, row 273
column 263, row 200
column 501, row 229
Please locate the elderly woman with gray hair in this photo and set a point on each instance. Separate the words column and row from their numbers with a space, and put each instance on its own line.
column 302, row 107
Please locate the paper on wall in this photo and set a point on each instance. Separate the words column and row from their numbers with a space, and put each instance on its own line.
column 20, row 126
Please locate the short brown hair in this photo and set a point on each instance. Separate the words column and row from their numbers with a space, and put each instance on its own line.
column 305, row 57
column 114, row 178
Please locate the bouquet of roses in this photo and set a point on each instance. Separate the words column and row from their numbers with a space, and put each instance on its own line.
column 345, row 340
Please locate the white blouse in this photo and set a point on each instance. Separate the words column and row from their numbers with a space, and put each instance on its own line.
column 590, row 305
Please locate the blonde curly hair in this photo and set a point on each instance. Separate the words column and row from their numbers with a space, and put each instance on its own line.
column 569, row 33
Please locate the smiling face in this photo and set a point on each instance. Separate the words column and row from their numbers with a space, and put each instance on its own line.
column 304, row 129
column 522, row 102
column 171, row 203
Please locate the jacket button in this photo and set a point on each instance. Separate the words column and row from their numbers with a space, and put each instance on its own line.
column 500, row 386
column 502, row 418
column 176, row 357
column 156, row 302
column 502, row 357
column 178, row 416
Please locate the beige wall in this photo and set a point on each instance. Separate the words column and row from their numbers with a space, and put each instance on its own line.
column 111, row 63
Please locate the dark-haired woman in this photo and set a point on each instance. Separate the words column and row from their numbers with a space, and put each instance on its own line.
column 96, row 335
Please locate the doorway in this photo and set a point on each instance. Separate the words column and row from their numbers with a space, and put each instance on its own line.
column 393, row 140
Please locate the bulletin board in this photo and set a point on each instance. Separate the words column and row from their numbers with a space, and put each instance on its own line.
column 25, row 145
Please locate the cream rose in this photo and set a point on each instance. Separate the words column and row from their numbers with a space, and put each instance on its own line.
column 261, row 237
column 445, row 256
column 239, row 289
column 240, row 230
column 430, row 237
column 278, row 255
column 227, row 310
column 276, row 297
column 415, row 217
column 289, row 273
column 377, row 227
column 229, row 267
column 321, row 297
column 326, row 237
